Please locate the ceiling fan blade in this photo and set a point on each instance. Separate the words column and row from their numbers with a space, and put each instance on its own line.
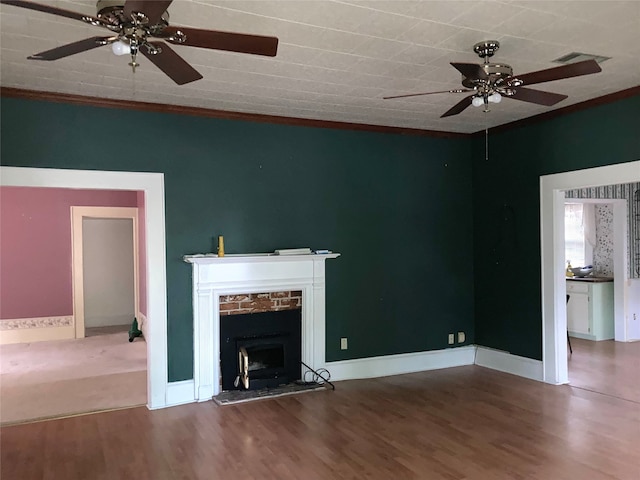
column 54, row 11
column 172, row 64
column 216, row 40
column 71, row 48
column 537, row 96
column 586, row 67
column 458, row 107
column 458, row 90
column 152, row 9
column 470, row 70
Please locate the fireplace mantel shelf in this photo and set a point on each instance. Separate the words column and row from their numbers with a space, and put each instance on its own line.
column 255, row 257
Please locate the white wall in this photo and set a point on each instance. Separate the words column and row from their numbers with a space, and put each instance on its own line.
column 108, row 271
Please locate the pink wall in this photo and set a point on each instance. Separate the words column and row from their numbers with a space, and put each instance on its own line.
column 142, row 253
column 35, row 246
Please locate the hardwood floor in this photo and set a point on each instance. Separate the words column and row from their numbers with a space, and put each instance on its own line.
column 608, row 367
column 458, row 423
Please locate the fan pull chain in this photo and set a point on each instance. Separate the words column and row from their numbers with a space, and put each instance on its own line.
column 486, row 144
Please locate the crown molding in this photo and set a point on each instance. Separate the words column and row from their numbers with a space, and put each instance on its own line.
column 10, row 92
column 576, row 107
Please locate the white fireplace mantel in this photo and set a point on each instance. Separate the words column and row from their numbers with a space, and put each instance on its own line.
column 214, row 276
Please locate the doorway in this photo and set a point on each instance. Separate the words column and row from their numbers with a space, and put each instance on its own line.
column 608, row 258
column 554, row 321
column 105, row 266
column 600, row 360
column 152, row 184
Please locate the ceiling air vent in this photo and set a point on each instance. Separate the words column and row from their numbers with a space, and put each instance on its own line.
column 579, row 57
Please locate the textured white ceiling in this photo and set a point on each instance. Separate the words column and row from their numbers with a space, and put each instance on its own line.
column 337, row 59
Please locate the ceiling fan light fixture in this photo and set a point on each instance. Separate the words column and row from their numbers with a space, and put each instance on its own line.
column 121, row 48
column 495, row 97
column 133, row 23
column 492, row 81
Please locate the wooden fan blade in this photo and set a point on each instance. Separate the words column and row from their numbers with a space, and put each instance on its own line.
column 470, row 70
column 216, row 40
column 586, row 67
column 537, row 96
column 53, row 10
column 172, row 64
column 71, row 49
column 458, row 107
column 152, row 9
column 459, row 90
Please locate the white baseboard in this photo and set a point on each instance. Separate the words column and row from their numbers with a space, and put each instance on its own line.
column 179, row 393
column 508, row 363
column 40, row 329
column 401, row 363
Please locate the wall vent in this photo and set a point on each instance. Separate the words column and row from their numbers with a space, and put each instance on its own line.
column 574, row 57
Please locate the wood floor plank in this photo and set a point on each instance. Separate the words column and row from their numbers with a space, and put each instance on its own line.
column 607, row 366
column 454, row 424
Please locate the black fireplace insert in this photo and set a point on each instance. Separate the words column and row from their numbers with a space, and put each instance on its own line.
column 259, row 350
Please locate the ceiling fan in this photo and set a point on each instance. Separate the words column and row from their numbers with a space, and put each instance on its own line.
column 133, row 23
column 489, row 82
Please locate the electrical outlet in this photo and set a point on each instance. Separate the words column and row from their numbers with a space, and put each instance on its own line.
column 461, row 337
column 451, row 339
column 343, row 343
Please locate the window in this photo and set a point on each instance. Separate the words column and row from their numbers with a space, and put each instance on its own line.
column 579, row 234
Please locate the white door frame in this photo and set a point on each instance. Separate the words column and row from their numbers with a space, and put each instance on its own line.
column 554, row 311
column 153, row 186
column 77, row 257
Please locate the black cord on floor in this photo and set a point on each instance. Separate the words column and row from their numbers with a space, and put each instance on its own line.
column 320, row 374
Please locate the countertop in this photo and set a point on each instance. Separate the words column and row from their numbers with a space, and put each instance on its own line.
column 590, row 279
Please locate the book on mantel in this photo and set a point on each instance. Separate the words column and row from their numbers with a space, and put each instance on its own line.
column 293, row 251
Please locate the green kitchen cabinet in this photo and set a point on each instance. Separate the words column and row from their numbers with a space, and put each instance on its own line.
column 590, row 309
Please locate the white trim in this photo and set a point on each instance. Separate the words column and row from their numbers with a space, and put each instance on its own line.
column 30, row 335
column 179, row 393
column 554, row 312
column 78, row 213
column 399, row 364
column 508, row 363
column 153, row 186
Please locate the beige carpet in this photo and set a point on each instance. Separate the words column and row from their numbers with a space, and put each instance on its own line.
column 59, row 378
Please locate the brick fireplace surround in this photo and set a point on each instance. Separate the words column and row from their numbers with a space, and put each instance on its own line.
column 260, row 302
column 220, row 284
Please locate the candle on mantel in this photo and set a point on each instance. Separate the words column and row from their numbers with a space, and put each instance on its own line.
column 221, row 246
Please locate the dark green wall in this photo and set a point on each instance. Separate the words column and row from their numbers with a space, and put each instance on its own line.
column 506, row 196
column 398, row 208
